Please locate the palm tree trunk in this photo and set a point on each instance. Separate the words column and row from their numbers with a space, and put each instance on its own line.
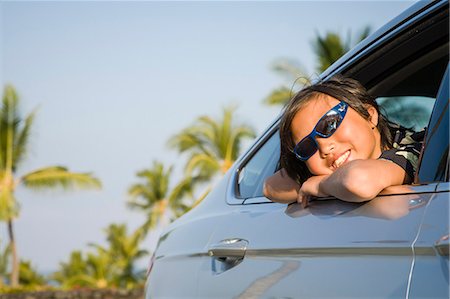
column 15, row 260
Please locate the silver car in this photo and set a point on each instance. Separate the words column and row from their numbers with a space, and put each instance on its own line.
column 238, row 244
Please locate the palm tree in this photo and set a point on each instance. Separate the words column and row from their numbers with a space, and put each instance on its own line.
column 29, row 276
column 331, row 47
column 14, row 137
column 111, row 266
column 154, row 197
column 95, row 270
column 212, row 145
column 327, row 49
column 124, row 250
column 74, row 272
column 293, row 72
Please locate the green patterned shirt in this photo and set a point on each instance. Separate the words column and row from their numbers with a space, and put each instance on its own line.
column 407, row 146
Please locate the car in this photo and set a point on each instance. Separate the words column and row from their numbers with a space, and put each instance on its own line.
column 239, row 244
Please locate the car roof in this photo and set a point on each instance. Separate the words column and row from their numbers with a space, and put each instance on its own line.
column 395, row 24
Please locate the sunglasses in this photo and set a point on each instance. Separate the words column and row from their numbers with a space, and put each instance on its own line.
column 325, row 127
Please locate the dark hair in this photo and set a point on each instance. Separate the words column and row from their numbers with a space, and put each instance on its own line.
column 340, row 88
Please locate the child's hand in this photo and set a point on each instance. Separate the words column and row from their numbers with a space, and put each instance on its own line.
column 310, row 188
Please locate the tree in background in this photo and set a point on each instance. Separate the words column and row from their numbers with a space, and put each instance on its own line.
column 406, row 111
column 327, row 49
column 154, row 196
column 293, row 72
column 4, row 262
column 124, row 250
column 94, row 269
column 75, row 272
column 29, row 276
column 212, row 145
column 111, row 266
column 14, row 138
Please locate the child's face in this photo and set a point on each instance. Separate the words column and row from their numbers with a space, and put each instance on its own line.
column 354, row 139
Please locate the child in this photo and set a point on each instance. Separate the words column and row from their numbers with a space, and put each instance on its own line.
column 335, row 142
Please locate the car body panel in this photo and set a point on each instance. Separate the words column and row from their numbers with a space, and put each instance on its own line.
column 430, row 278
column 292, row 251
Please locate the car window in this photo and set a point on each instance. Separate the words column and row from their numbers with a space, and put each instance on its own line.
column 409, row 111
column 260, row 166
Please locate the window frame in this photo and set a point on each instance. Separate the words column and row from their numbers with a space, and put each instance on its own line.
column 233, row 196
column 426, row 174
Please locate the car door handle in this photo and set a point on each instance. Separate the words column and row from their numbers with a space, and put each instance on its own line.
column 229, row 249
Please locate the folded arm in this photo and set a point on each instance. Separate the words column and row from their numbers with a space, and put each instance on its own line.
column 356, row 181
column 362, row 180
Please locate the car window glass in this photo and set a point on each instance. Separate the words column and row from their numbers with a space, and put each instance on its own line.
column 261, row 165
column 409, row 111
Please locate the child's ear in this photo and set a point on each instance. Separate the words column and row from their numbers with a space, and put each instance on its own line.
column 373, row 115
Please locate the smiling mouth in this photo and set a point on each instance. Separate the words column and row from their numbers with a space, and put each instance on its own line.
column 341, row 160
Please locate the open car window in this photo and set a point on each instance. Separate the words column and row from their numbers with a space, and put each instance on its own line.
column 409, row 111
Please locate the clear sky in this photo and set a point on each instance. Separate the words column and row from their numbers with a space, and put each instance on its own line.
column 112, row 82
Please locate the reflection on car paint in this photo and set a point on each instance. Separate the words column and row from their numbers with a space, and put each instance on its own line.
column 262, row 284
column 383, row 207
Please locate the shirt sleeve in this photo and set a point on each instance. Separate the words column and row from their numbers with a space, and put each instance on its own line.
column 406, row 153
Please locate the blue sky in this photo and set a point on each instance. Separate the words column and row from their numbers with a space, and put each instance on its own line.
column 112, row 81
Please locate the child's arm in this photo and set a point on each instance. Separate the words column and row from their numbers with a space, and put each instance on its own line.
column 356, row 181
column 281, row 188
column 360, row 180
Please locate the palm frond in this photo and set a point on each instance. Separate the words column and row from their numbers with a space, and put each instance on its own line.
column 290, row 69
column 328, row 49
column 234, row 146
column 139, row 204
column 138, row 190
column 99, row 248
column 155, row 184
column 185, row 140
column 279, row 96
column 201, row 164
column 181, row 190
column 58, row 176
column 21, row 140
column 10, row 102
